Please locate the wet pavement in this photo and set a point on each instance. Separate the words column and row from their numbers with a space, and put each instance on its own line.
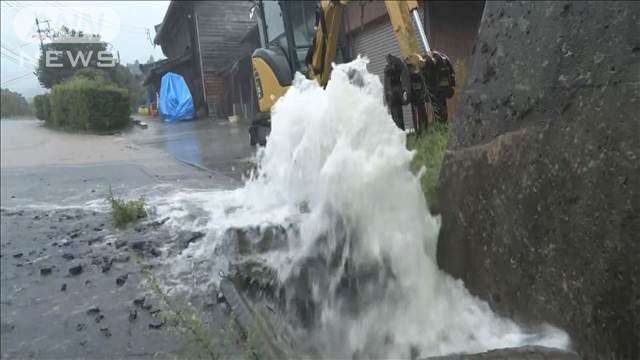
column 75, row 286
column 72, row 283
column 41, row 165
column 219, row 146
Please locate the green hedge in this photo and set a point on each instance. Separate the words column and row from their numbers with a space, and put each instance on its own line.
column 43, row 107
column 85, row 104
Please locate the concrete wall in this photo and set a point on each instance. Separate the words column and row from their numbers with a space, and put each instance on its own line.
column 540, row 188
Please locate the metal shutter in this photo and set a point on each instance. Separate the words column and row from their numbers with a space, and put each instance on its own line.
column 375, row 42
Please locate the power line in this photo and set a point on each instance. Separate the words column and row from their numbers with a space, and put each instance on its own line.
column 5, row 47
column 16, row 78
column 149, row 36
column 25, row 44
column 91, row 18
column 8, row 4
column 9, row 57
column 14, row 60
column 13, row 50
column 18, row 58
column 17, row 5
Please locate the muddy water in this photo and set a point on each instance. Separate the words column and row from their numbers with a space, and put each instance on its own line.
column 335, row 173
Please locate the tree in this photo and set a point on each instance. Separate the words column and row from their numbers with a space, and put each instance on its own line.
column 13, row 104
column 69, row 51
column 76, row 47
column 120, row 76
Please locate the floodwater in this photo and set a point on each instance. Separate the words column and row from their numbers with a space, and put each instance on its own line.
column 335, row 172
column 55, row 218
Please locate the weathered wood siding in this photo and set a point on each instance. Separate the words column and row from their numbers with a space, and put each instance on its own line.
column 239, row 90
column 452, row 27
column 361, row 13
column 214, row 85
column 177, row 36
column 221, row 26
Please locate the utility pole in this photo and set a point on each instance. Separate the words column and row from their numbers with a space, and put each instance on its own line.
column 42, row 31
column 39, row 33
column 149, row 36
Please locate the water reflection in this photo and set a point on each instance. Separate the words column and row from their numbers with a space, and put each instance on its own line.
column 182, row 141
column 219, row 146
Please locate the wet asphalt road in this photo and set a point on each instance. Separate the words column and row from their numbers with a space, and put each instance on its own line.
column 69, row 277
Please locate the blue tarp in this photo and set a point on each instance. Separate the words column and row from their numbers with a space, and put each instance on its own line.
column 176, row 103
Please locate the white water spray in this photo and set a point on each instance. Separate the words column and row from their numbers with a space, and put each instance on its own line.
column 336, row 152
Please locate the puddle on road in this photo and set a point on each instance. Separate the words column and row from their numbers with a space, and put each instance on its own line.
column 336, row 170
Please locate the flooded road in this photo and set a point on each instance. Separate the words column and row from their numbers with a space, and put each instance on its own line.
column 329, row 252
column 72, row 283
column 218, row 146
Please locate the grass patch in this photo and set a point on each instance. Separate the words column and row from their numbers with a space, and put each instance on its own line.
column 249, row 345
column 180, row 315
column 430, row 149
column 124, row 211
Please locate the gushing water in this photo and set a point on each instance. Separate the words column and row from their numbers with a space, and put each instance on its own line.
column 337, row 167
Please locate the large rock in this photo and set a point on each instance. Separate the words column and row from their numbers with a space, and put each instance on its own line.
column 540, row 187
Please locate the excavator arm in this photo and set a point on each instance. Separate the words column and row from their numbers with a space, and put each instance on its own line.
column 405, row 21
column 420, row 77
column 325, row 41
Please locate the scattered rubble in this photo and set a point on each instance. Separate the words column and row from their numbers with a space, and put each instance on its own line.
column 94, row 310
column 156, row 324
column 133, row 315
column 105, row 331
column 139, row 301
column 122, row 258
column 106, row 266
column 122, row 279
column 145, row 247
column 75, row 270
column 251, row 240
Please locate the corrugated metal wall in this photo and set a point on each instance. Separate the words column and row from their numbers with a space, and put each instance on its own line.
column 375, row 41
column 451, row 29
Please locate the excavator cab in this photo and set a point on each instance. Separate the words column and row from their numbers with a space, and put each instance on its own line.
column 287, row 27
column 287, row 30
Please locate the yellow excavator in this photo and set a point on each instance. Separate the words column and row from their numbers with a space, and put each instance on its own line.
column 306, row 37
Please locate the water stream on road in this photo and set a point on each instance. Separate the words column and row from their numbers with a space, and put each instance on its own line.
column 337, row 168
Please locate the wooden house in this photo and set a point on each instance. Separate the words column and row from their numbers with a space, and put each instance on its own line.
column 202, row 41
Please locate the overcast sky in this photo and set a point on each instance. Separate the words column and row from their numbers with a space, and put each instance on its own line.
column 122, row 23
